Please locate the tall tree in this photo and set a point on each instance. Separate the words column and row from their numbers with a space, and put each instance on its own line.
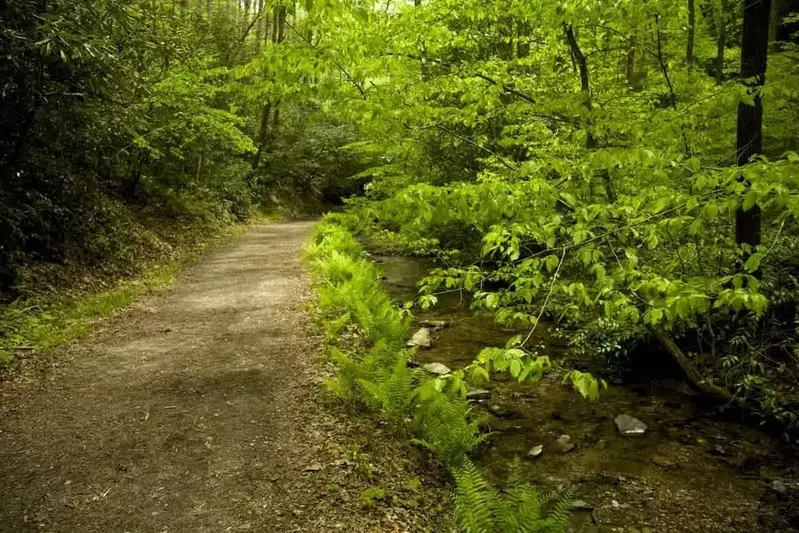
column 585, row 86
column 689, row 52
column 721, row 39
column 754, row 55
column 774, row 25
column 259, row 28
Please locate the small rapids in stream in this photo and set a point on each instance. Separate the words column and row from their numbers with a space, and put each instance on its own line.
column 692, row 471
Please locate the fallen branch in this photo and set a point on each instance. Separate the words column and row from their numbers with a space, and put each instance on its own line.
column 696, row 379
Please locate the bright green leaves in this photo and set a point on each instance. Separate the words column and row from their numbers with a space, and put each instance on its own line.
column 753, row 262
column 519, row 364
column 586, row 384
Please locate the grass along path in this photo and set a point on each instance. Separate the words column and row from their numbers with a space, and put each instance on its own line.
column 37, row 325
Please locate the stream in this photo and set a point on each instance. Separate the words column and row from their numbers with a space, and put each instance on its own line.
column 691, row 471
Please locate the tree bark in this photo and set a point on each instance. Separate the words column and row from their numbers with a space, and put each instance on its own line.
column 246, row 22
column 691, row 372
column 774, row 26
column 721, row 40
column 585, row 86
column 263, row 131
column 689, row 51
column 754, row 55
column 259, row 28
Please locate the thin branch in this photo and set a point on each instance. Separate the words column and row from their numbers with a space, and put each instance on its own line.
column 546, row 300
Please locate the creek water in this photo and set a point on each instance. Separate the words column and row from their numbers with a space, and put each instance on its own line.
column 691, row 471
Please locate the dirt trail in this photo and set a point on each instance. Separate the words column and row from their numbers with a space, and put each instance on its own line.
column 198, row 410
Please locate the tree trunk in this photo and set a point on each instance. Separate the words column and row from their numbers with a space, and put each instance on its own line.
column 691, row 372
column 585, row 86
column 209, row 7
column 754, row 54
column 522, row 39
column 259, row 28
column 246, row 22
column 774, row 26
column 281, row 24
column 263, row 131
column 689, row 52
column 629, row 66
column 721, row 41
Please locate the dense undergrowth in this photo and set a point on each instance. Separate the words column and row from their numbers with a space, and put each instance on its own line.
column 365, row 335
column 626, row 175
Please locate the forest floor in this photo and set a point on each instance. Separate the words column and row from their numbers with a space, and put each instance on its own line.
column 200, row 409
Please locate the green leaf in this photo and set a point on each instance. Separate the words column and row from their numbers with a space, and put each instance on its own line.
column 749, row 200
column 753, row 262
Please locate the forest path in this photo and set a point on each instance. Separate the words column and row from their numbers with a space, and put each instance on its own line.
column 196, row 410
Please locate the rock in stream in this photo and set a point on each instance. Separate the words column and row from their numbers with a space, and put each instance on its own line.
column 437, row 369
column 628, row 425
column 421, row 339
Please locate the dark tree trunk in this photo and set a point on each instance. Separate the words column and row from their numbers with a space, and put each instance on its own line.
column 773, row 26
column 689, row 52
column 754, row 54
column 721, row 40
column 523, row 39
column 263, row 131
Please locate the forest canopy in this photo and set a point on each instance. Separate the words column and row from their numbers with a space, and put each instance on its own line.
column 626, row 170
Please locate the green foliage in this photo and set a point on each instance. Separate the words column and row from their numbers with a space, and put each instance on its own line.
column 375, row 372
column 370, row 496
column 443, row 424
column 480, row 508
column 603, row 204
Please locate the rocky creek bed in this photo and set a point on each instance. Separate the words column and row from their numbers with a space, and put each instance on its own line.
column 691, row 470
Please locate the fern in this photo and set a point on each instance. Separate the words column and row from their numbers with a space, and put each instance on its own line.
column 480, row 508
column 377, row 375
column 475, row 500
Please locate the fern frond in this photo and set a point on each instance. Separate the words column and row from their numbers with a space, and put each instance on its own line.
column 557, row 510
column 475, row 500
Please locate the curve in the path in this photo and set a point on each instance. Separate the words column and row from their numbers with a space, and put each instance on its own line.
column 190, row 412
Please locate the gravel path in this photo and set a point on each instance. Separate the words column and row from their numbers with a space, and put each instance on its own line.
column 199, row 410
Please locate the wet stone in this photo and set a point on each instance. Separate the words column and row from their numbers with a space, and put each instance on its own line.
column 498, row 411
column 421, row 339
column 437, row 368
column 628, row 425
column 663, row 462
column 536, row 451
column 435, row 324
column 581, row 505
column 563, row 444
column 478, row 394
